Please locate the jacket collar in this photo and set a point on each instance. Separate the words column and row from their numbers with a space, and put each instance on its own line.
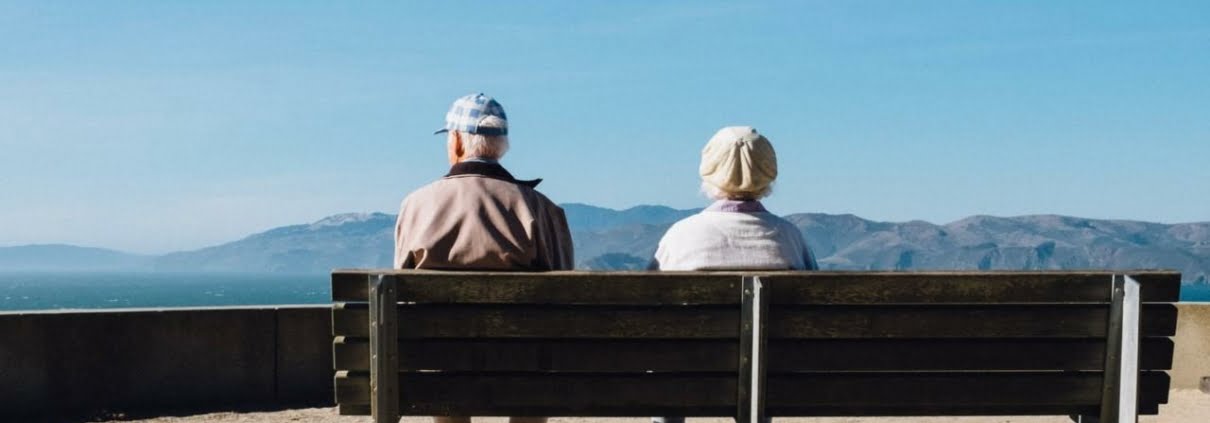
column 488, row 170
column 748, row 206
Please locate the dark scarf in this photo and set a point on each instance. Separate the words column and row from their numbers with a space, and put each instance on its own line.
column 489, row 170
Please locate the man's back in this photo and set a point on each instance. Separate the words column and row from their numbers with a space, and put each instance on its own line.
column 479, row 217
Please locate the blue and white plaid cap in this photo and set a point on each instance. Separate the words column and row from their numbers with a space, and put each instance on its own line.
column 468, row 111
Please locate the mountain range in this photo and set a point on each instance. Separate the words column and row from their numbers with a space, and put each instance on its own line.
column 607, row 239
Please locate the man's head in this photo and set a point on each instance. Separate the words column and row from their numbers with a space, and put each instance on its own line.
column 738, row 163
column 477, row 128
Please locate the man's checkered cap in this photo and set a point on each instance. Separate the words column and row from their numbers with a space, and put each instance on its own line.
column 468, row 111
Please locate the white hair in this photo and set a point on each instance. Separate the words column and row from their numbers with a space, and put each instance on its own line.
column 486, row 146
column 717, row 193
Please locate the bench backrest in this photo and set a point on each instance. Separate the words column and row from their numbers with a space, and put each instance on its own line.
column 1011, row 343
column 549, row 344
column 713, row 344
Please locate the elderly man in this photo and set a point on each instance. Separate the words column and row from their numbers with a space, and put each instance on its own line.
column 479, row 217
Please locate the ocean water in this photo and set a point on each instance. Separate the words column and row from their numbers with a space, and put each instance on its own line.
column 52, row 290
column 1195, row 292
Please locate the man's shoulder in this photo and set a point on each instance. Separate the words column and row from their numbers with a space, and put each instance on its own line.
column 442, row 188
column 426, row 191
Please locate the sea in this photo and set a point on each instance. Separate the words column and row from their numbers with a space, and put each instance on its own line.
column 94, row 290
column 100, row 290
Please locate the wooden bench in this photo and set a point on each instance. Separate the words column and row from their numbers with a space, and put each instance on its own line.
column 752, row 344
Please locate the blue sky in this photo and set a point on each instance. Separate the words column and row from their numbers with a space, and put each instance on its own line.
column 159, row 126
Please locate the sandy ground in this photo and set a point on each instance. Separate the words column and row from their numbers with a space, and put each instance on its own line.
column 1184, row 406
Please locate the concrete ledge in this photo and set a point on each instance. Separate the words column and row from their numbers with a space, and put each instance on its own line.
column 1191, row 358
column 147, row 359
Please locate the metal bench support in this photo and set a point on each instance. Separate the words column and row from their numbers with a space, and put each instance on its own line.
column 755, row 300
column 384, row 349
column 1119, row 401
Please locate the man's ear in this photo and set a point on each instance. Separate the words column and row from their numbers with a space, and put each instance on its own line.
column 454, row 148
column 459, row 150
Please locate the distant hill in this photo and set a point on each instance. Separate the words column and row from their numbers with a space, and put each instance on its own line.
column 1008, row 243
column 583, row 217
column 61, row 257
column 345, row 240
column 607, row 239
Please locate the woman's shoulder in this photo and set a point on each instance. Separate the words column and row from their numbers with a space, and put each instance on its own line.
column 692, row 223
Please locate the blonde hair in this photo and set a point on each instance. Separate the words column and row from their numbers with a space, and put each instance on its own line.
column 715, row 193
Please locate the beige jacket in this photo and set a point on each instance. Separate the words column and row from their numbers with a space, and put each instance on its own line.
column 480, row 218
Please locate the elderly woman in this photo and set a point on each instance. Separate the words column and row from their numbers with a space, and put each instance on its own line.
column 736, row 232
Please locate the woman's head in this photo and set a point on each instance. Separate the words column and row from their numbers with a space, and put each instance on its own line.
column 738, row 164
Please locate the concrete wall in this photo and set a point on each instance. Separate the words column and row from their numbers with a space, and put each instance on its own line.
column 1191, row 359
column 164, row 359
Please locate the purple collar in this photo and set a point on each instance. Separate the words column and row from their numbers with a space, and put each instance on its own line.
column 735, row 206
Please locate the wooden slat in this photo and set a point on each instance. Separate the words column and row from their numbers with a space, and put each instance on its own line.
column 511, row 321
column 514, row 355
column 951, row 321
column 535, row 355
column 811, row 287
column 351, row 319
column 352, row 388
column 1158, row 287
column 555, row 394
column 708, row 355
column 953, row 354
column 423, row 287
column 350, row 286
column 572, row 395
column 353, row 409
column 928, row 393
column 954, row 321
column 507, row 321
column 350, row 353
column 870, row 394
column 963, row 288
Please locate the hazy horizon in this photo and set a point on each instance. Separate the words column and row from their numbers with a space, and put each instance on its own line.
column 622, row 209
column 158, row 127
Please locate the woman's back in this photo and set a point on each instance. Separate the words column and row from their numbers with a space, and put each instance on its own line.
column 733, row 235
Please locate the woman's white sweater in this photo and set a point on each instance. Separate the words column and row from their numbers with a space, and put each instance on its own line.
column 724, row 237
